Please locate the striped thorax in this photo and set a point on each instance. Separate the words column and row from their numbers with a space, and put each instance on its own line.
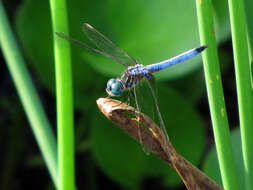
column 128, row 80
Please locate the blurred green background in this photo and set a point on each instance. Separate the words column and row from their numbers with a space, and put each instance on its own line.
column 106, row 158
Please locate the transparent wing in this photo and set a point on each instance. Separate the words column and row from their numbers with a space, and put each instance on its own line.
column 152, row 88
column 84, row 45
column 107, row 46
column 151, row 84
column 140, row 91
column 146, row 98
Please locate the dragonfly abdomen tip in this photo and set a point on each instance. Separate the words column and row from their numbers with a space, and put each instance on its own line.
column 201, row 48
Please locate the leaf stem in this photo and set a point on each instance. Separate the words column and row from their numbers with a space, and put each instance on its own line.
column 65, row 123
column 249, row 16
column 215, row 96
column 243, row 84
column 28, row 96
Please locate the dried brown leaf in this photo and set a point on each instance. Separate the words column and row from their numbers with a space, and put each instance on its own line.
column 133, row 122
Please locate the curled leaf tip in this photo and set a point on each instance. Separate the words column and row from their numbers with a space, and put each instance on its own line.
column 108, row 106
column 134, row 123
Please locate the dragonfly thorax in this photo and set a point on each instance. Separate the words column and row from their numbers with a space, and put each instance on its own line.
column 130, row 78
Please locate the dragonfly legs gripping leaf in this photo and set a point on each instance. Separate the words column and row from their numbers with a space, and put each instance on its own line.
column 129, row 97
column 134, row 73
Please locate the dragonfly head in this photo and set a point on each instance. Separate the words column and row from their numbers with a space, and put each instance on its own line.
column 114, row 87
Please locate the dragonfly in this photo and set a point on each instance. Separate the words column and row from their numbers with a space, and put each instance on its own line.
column 137, row 79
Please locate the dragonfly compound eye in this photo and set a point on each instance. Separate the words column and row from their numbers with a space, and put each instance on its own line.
column 110, row 82
column 114, row 88
column 117, row 89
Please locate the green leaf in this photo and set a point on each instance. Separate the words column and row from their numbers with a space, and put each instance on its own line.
column 221, row 18
column 121, row 158
column 211, row 166
column 34, row 30
column 148, row 30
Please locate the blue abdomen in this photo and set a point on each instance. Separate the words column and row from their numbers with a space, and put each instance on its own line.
column 172, row 61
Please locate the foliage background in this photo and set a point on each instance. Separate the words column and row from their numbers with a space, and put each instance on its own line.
column 106, row 157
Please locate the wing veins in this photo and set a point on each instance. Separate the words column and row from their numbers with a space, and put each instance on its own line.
column 106, row 45
column 82, row 44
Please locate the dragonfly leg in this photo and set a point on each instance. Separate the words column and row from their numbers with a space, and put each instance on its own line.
column 130, row 96
column 127, row 101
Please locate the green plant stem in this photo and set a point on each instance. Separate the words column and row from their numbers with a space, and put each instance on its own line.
column 215, row 96
column 65, row 123
column 249, row 16
column 28, row 96
column 243, row 84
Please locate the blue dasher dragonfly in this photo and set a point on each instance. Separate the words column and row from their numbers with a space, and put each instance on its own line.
column 137, row 78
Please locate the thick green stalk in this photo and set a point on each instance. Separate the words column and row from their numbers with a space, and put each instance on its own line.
column 28, row 96
column 65, row 123
column 215, row 96
column 243, row 84
column 249, row 16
